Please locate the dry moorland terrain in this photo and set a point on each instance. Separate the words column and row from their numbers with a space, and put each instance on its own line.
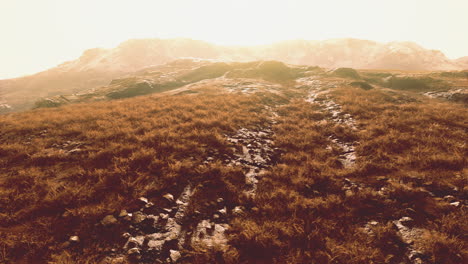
column 241, row 163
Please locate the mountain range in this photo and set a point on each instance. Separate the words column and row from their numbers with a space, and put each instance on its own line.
column 97, row 67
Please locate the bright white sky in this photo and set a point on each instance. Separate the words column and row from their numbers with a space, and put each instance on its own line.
column 39, row 34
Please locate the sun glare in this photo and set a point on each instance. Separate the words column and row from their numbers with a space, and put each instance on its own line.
column 55, row 31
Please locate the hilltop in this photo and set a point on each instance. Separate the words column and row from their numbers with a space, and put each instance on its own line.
column 98, row 67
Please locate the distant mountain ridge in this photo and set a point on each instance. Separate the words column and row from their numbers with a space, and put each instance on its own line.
column 98, row 67
column 135, row 54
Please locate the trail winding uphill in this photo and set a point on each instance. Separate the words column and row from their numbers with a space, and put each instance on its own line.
column 318, row 94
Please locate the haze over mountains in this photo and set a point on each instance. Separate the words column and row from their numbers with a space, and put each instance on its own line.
column 98, row 67
column 133, row 55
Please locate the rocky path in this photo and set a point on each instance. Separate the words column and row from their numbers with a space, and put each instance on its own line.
column 160, row 233
column 318, row 94
column 254, row 151
column 154, row 233
column 254, row 154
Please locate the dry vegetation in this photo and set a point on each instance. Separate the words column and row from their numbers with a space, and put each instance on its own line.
column 63, row 169
column 410, row 155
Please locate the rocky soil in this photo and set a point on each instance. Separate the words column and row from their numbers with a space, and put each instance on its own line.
column 318, row 94
column 456, row 95
column 160, row 232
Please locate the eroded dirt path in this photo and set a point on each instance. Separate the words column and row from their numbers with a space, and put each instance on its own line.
column 411, row 235
column 319, row 94
column 161, row 232
column 254, row 151
column 254, row 154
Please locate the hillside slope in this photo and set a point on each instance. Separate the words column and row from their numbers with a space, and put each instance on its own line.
column 311, row 168
column 97, row 67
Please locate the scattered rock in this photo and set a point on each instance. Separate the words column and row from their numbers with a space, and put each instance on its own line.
column 169, row 197
column 449, row 198
column 143, row 200
column 123, row 213
column 74, row 239
column 406, row 221
column 410, row 211
column 164, row 216
column 209, row 235
column 223, row 211
column 128, row 217
column 349, row 193
column 410, row 236
column 133, row 252
column 138, row 217
column 152, row 220
column 175, row 255
column 382, row 178
column 135, row 242
column 238, row 211
column 109, row 220
column 75, row 151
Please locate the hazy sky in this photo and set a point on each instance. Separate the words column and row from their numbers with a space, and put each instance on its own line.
column 39, row 34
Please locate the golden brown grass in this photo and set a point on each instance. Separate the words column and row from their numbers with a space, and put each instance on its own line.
column 131, row 148
column 414, row 148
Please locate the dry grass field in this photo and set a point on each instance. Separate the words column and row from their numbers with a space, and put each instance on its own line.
column 62, row 170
